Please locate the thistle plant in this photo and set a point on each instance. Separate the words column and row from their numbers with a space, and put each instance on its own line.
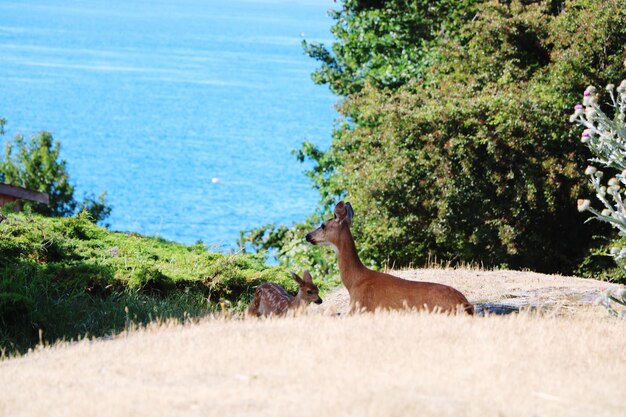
column 605, row 136
column 610, row 300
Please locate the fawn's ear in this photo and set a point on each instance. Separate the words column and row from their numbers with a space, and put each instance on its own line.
column 297, row 278
column 340, row 211
column 306, row 276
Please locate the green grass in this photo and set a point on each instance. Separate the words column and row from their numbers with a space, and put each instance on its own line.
column 65, row 278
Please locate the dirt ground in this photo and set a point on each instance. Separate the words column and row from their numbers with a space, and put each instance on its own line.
column 562, row 356
column 508, row 290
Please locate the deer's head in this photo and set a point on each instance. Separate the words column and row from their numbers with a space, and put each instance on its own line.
column 307, row 290
column 331, row 231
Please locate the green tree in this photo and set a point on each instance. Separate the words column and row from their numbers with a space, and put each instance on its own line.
column 469, row 158
column 385, row 42
column 35, row 164
column 475, row 163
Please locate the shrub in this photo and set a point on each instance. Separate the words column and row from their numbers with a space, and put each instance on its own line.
column 288, row 245
column 69, row 277
column 471, row 160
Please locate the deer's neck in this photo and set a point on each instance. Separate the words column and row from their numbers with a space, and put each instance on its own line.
column 350, row 266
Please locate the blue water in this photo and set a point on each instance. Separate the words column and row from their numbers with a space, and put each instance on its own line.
column 151, row 100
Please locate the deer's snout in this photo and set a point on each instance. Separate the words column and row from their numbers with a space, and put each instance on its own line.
column 309, row 238
column 318, row 301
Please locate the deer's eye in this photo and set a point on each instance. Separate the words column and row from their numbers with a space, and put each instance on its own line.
column 323, row 226
column 309, row 292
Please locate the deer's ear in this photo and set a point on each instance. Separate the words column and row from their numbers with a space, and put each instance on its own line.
column 297, row 278
column 340, row 211
column 306, row 276
column 350, row 212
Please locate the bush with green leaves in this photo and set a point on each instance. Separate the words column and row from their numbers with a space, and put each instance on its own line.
column 385, row 42
column 69, row 278
column 288, row 246
column 605, row 136
column 470, row 159
column 34, row 164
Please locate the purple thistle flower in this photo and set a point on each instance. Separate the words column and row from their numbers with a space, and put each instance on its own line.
column 587, row 93
column 578, row 107
column 585, row 133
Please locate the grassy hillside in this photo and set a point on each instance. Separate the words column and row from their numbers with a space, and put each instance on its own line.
column 66, row 277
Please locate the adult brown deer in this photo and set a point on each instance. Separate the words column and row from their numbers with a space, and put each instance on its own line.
column 272, row 299
column 370, row 290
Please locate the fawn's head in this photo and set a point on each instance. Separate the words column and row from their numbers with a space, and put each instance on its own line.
column 330, row 232
column 307, row 290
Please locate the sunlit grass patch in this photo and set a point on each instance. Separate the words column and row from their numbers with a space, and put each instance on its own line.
column 68, row 277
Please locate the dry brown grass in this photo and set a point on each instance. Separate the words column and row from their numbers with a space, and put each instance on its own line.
column 382, row 364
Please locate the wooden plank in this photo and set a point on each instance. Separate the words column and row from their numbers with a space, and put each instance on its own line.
column 24, row 194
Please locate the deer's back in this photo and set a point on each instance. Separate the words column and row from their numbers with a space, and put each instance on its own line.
column 380, row 290
column 270, row 298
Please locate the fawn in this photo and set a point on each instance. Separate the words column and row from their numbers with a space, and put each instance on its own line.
column 272, row 299
column 370, row 290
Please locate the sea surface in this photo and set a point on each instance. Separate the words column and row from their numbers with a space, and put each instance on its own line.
column 185, row 112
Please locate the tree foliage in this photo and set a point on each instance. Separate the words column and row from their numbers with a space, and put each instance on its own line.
column 35, row 164
column 466, row 155
column 387, row 43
